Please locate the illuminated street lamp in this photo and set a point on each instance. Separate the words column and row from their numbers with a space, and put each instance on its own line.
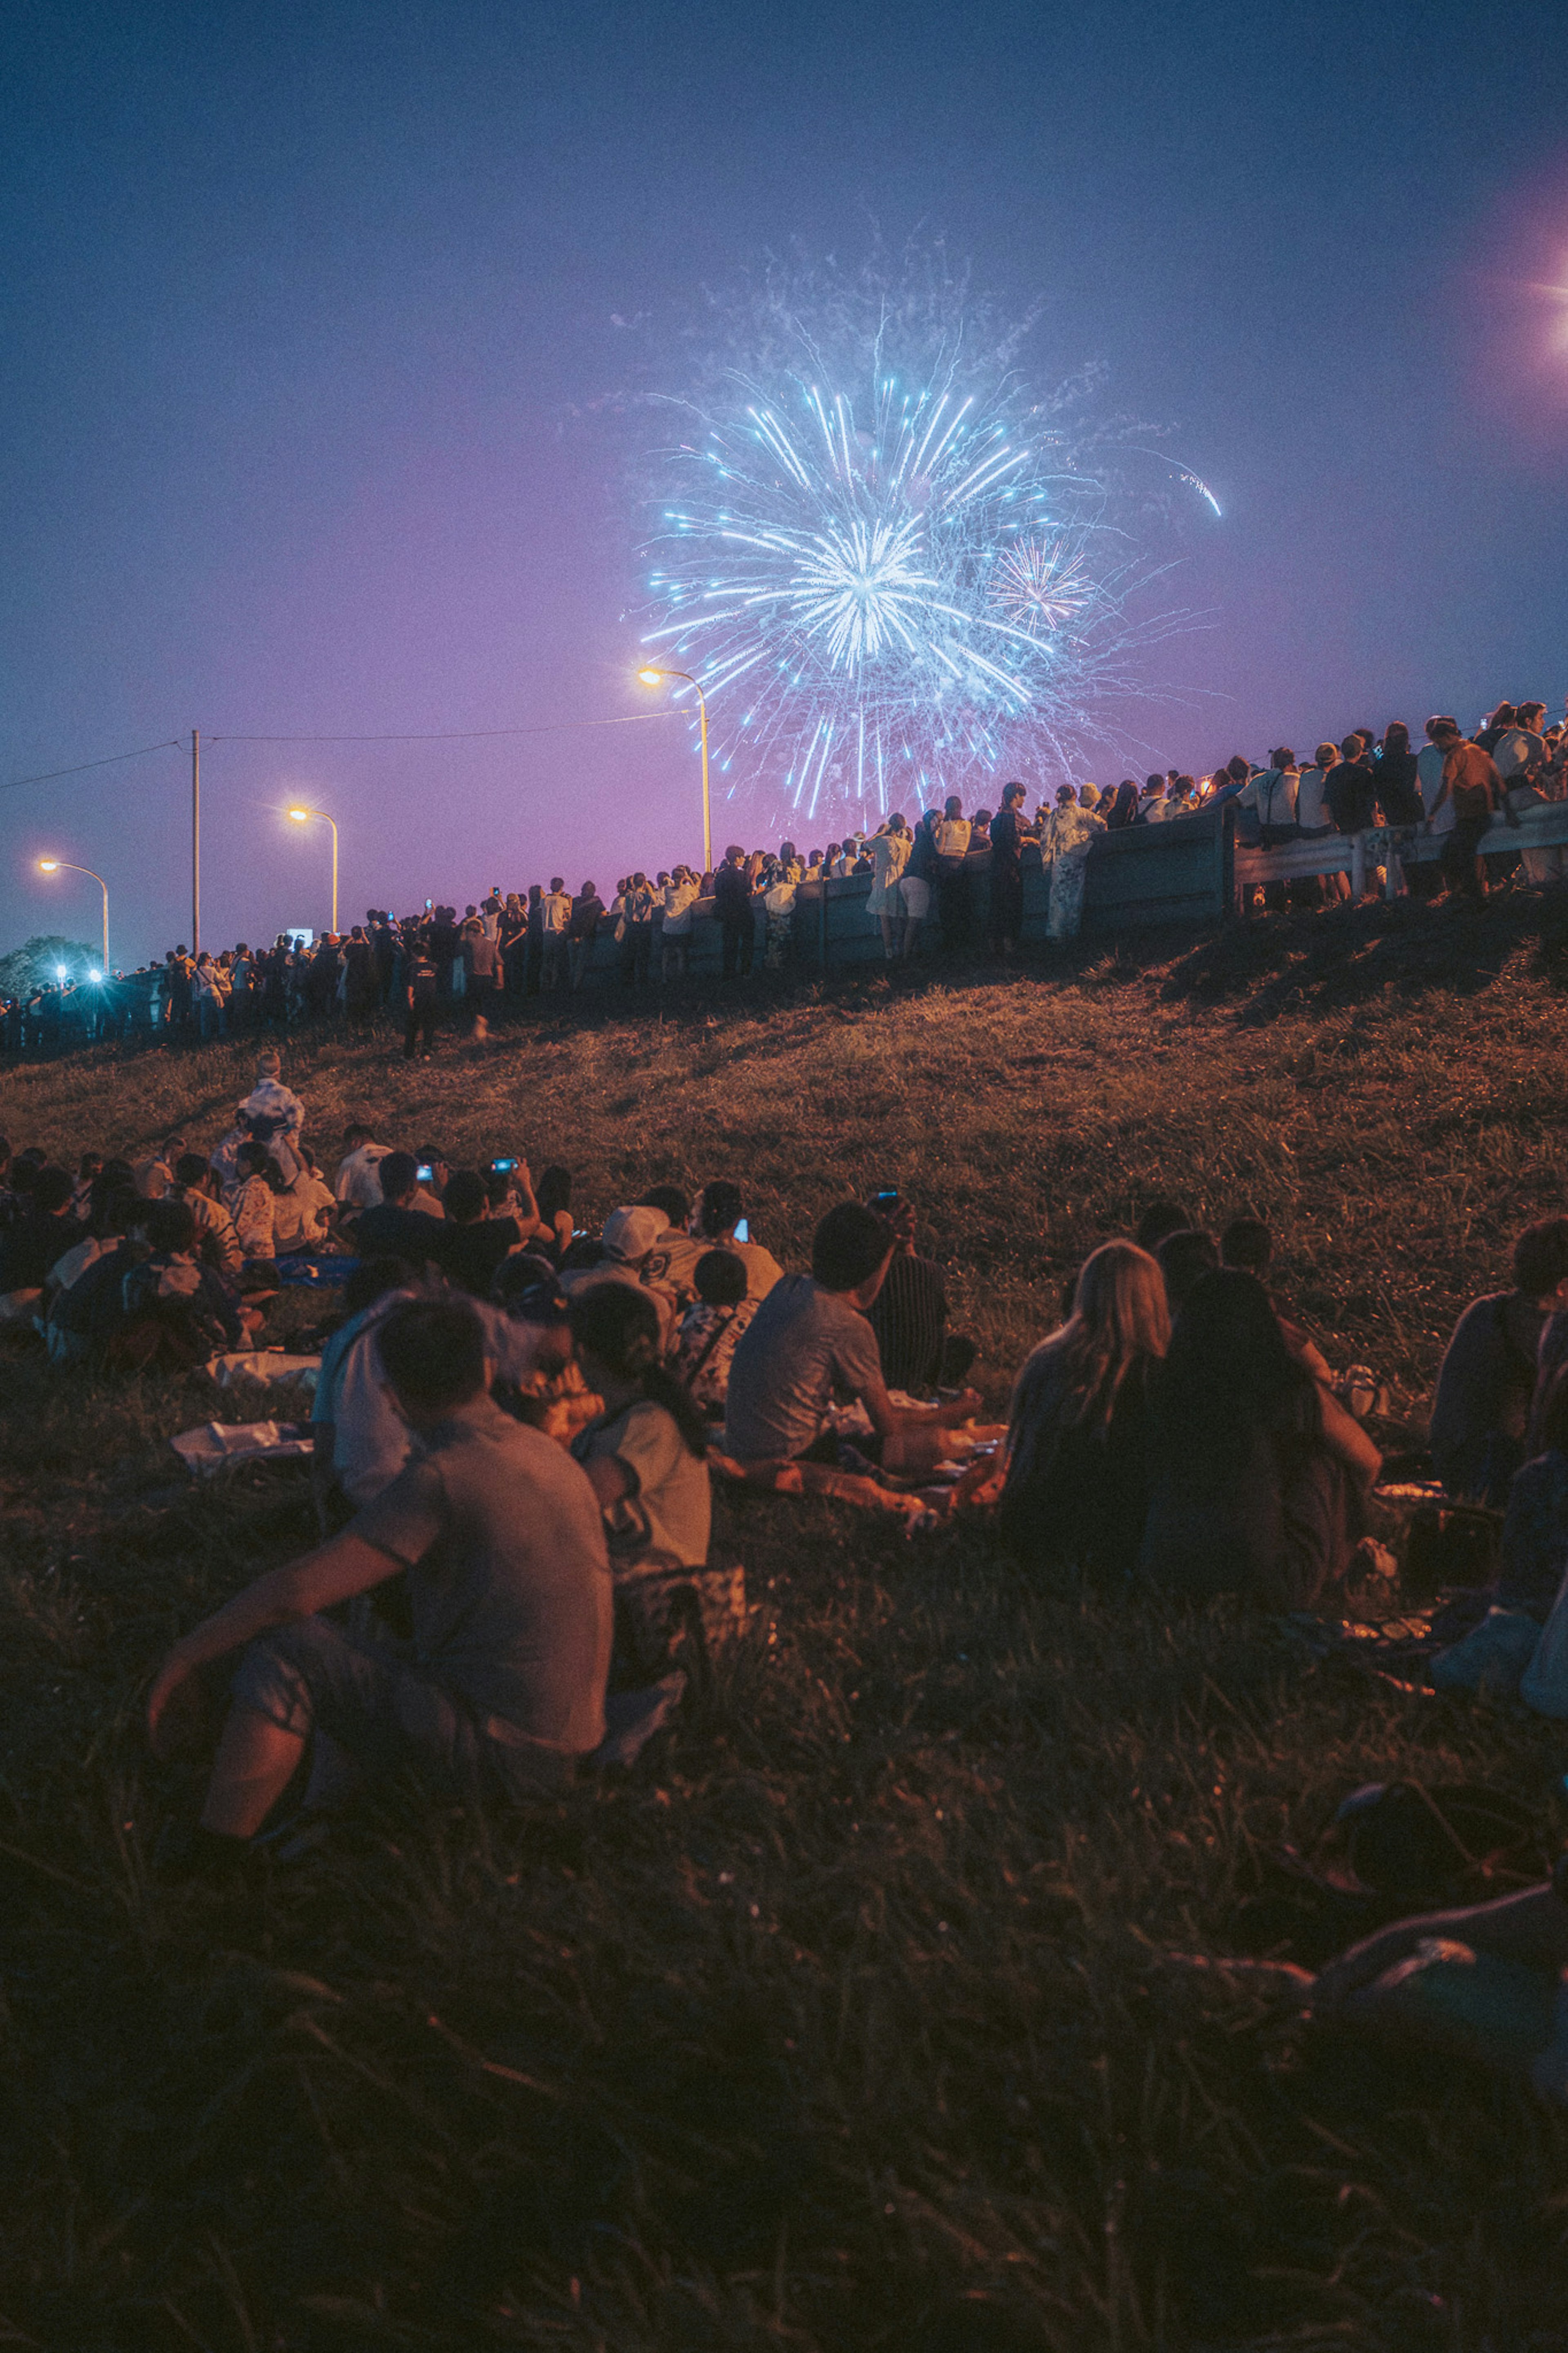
column 64, row 866
column 303, row 817
column 651, row 676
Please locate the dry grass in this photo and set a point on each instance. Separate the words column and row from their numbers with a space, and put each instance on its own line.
column 840, row 2024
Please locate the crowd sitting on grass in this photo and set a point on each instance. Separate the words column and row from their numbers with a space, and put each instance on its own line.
column 428, row 969
column 518, row 1424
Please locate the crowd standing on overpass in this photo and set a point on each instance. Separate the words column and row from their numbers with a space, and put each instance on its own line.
column 437, row 968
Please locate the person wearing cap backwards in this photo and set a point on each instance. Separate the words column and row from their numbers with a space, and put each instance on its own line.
column 633, row 1254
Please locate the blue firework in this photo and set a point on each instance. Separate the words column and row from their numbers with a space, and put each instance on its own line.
column 884, row 578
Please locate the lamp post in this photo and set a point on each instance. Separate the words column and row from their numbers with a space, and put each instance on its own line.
column 651, row 678
column 303, row 817
column 64, row 866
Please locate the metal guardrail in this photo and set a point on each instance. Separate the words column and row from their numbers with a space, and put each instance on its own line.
column 1542, row 825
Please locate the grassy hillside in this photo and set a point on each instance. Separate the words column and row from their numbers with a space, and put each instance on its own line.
column 847, row 2020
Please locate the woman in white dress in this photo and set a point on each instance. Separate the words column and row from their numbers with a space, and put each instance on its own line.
column 1069, row 835
column 890, row 850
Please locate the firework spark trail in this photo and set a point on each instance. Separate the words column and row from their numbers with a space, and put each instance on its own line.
column 884, row 578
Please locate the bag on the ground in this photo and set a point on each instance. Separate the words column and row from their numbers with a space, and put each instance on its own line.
column 667, row 1616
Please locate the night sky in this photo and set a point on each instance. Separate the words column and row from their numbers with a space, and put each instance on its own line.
column 315, row 413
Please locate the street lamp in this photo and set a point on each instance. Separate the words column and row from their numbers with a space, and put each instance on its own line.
column 303, row 817
column 651, row 678
column 64, row 866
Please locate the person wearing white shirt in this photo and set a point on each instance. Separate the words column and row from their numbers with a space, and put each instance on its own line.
column 1521, row 747
column 1270, row 792
column 302, row 1213
column 681, row 893
column 358, row 1184
column 1311, row 807
column 889, row 854
column 951, row 838
column 555, row 914
column 1429, row 764
column 1519, row 754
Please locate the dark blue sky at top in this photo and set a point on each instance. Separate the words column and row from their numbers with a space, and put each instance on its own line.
column 310, row 383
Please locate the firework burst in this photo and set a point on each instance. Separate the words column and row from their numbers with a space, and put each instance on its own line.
column 888, row 565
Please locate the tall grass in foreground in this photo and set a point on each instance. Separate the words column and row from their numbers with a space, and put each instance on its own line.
column 847, row 2020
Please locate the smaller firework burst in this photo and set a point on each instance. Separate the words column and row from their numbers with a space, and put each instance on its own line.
column 1042, row 585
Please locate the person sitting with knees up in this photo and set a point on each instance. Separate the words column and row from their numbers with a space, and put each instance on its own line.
column 646, row 1457
column 176, row 1312
column 508, row 1586
column 810, row 1337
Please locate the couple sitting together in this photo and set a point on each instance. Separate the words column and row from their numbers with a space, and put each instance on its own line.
column 513, row 1550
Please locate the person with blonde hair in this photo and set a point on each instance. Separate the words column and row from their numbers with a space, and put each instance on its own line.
column 1076, row 1490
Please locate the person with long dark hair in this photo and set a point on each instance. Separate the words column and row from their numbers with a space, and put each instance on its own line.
column 1259, row 1474
column 1077, row 1485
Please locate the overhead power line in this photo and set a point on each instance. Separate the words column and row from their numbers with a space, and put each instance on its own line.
column 113, row 759
column 459, row 735
column 452, row 735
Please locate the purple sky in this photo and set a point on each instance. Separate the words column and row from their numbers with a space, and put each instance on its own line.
column 310, row 376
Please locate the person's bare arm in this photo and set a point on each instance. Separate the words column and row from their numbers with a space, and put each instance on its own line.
column 334, row 1572
column 610, row 1479
column 1345, row 1436
column 887, row 1419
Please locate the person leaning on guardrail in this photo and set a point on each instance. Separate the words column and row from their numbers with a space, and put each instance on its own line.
column 1473, row 784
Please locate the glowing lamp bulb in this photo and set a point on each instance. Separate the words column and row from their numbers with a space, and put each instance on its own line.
column 59, row 972
column 95, row 975
column 298, row 816
column 650, row 677
column 49, row 865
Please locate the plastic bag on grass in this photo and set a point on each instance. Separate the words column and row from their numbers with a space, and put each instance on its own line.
column 218, row 1444
column 264, row 1365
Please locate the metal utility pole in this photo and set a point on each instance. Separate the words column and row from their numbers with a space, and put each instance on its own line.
column 196, row 841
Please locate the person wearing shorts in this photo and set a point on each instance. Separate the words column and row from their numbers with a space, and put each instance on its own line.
column 500, row 1537
column 914, row 888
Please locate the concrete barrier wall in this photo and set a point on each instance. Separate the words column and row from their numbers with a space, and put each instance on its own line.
column 1182, row 872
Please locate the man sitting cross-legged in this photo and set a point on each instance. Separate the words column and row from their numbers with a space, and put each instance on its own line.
column 508, row 1585
column 810, row 1339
